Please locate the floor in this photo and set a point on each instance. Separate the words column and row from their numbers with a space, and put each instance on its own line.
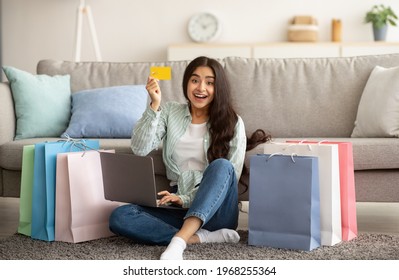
column 371, row 217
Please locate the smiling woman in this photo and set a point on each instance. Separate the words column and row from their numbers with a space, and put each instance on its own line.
column 200, row 93
column 204, row 145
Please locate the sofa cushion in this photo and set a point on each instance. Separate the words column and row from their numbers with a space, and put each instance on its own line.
column 42, row 103
column 7, row 114
column 110, row 112
column 368, row 153
column 11, row 152
column 378, row 111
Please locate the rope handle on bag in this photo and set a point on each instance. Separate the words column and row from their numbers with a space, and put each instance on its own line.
column 309, row 145
column 281, row 154
column 295, row 144
column 77, row 143
column 320, row 142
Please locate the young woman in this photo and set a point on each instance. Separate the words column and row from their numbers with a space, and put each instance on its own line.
column 204, row 144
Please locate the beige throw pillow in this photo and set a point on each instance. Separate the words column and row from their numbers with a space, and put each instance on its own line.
column 378, row 111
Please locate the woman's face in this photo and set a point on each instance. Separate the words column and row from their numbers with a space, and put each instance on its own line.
column 201, row 88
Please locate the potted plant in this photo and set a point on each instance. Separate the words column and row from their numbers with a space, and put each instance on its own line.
column 380, row 16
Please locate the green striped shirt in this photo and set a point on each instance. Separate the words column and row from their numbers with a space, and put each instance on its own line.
column 167, row 126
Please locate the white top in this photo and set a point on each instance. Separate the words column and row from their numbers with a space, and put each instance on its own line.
column 166, row 127
column 189, row 152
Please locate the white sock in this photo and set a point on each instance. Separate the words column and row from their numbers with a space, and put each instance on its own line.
column 175, row 249
column 221, row 235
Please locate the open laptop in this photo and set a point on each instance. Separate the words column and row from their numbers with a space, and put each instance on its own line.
column 130, row 178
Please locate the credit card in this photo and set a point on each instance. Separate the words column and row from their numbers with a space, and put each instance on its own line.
column 161, row 72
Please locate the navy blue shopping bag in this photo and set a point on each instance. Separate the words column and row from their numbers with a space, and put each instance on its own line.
column 284, row 202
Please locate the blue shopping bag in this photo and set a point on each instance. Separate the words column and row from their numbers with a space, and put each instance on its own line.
column 44, row 178
column 284, row 202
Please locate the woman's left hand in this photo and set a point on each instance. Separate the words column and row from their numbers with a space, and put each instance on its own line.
column 167, row 197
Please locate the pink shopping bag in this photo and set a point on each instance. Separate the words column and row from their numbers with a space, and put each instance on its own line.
column 347, row 183
column 81, row 211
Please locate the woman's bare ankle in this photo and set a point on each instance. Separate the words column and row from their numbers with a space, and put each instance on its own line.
column 193, row 239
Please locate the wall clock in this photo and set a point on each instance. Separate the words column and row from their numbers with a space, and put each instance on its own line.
column 204, row 27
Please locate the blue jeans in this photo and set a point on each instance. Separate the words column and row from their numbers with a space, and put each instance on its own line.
column 215, row 203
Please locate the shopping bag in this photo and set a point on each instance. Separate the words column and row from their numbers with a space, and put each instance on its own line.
column 347, row 184
column 330, row 207
column 43, row 196
column 284, row 202
column 82, row 213
column 25, row 199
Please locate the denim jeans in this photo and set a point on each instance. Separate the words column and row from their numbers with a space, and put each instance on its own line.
column 215, row 203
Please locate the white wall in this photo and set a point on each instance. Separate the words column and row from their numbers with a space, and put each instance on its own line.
column 133, row 30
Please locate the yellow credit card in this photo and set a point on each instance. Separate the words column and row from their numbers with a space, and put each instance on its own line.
column 161, row 72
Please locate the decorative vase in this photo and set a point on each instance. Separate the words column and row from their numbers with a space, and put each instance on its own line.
column 380, row 34
column 336, row 33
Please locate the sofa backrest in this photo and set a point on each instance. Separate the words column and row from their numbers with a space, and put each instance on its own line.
column 304, row 97
column 312, row 97
column 88, row 75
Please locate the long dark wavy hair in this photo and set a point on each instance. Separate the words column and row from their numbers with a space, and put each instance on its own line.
column 222, row 116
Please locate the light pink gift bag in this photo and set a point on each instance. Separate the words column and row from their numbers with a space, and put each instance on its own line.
column 81, row 211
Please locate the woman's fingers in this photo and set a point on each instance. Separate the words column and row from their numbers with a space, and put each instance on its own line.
column 169, row 198
column 152, row 86
column 164, row 193
column 154, row 91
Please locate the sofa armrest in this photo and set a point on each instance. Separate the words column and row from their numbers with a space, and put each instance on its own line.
column 7, row 114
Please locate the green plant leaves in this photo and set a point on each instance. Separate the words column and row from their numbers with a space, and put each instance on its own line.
column 381, row 15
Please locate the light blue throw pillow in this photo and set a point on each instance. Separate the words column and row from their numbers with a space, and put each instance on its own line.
column 42, row 103
column 110, row 112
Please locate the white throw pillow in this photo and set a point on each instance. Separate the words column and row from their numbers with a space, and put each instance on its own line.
column 378, row 111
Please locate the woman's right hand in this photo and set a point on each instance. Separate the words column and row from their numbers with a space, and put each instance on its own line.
column 168, row 198
column 155, row 93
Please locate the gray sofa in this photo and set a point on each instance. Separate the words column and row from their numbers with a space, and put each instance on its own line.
column 315, row 98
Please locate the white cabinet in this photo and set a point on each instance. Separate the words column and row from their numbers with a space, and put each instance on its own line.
column 292, row 50
column 376, row 48
column 281, row 50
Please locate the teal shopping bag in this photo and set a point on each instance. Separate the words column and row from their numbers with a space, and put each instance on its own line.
column 44, row 181
column 284, row 202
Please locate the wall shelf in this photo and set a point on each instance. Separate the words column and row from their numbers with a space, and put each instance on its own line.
column 280, row 50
